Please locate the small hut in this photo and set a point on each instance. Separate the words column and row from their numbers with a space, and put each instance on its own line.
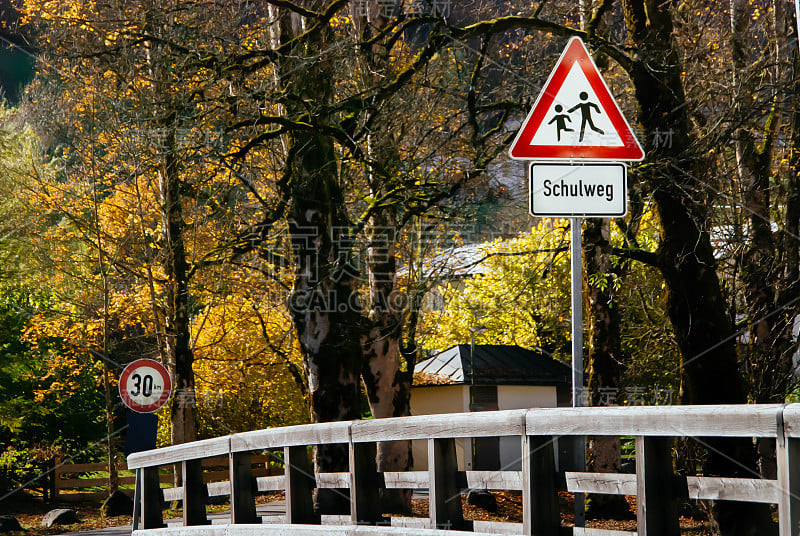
column 505, row 377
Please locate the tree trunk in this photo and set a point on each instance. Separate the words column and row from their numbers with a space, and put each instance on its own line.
column 605, row 359
column 113, row 477
column 388, row 387
column 177, row 337
column 324, row 302
column 771, row 344
column 177, row 340
column 696, row 305
column 113, row 474
column 791, row 244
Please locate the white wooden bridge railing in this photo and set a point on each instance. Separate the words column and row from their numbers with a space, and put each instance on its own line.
column 655, row 485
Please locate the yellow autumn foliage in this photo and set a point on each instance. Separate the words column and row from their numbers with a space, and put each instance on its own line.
column 521, row 296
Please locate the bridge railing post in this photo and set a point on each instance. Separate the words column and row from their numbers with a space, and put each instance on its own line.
column 137, row 500
column 195, row 493
column 444, row 502
column 788, row 458
column 243, row 488
column 300, row 483
column 540, row 514
column 151, row 499
column 656, row 494
column 365, row 507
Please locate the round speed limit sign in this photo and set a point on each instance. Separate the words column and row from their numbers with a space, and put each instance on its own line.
column 145, row 385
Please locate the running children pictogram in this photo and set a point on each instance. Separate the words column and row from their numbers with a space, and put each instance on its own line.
column 561, row 121
column 585, row 106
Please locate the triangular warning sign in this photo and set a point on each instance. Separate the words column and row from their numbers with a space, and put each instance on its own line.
column 575, row 116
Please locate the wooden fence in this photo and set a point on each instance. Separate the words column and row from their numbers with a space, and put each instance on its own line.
column 656, row 487
column 80, row 481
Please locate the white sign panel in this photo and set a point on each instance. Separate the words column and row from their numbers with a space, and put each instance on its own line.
column 581, row 190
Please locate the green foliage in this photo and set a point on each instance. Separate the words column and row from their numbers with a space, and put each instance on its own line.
column 522, row 297
column 244, row 409
column 647, row 336
column 50, row 400
column 44, row 412
column 648, row 341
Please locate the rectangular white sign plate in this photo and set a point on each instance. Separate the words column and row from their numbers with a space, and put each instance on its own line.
column 578, row 190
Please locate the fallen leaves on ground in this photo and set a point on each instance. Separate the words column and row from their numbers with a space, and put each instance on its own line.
column 509, row 509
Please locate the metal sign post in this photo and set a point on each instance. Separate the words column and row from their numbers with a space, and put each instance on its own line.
column 576, row 279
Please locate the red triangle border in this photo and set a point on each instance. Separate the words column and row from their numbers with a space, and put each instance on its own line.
column 521, row 149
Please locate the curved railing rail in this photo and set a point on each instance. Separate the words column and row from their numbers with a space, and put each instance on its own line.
column 655, row 485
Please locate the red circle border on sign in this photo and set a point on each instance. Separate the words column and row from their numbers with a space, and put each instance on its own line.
column 165, row 394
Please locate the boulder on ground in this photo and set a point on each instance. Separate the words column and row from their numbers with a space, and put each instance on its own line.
column 9, row 523
column 117, row 504
column 482, row 499
column 59, row 516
